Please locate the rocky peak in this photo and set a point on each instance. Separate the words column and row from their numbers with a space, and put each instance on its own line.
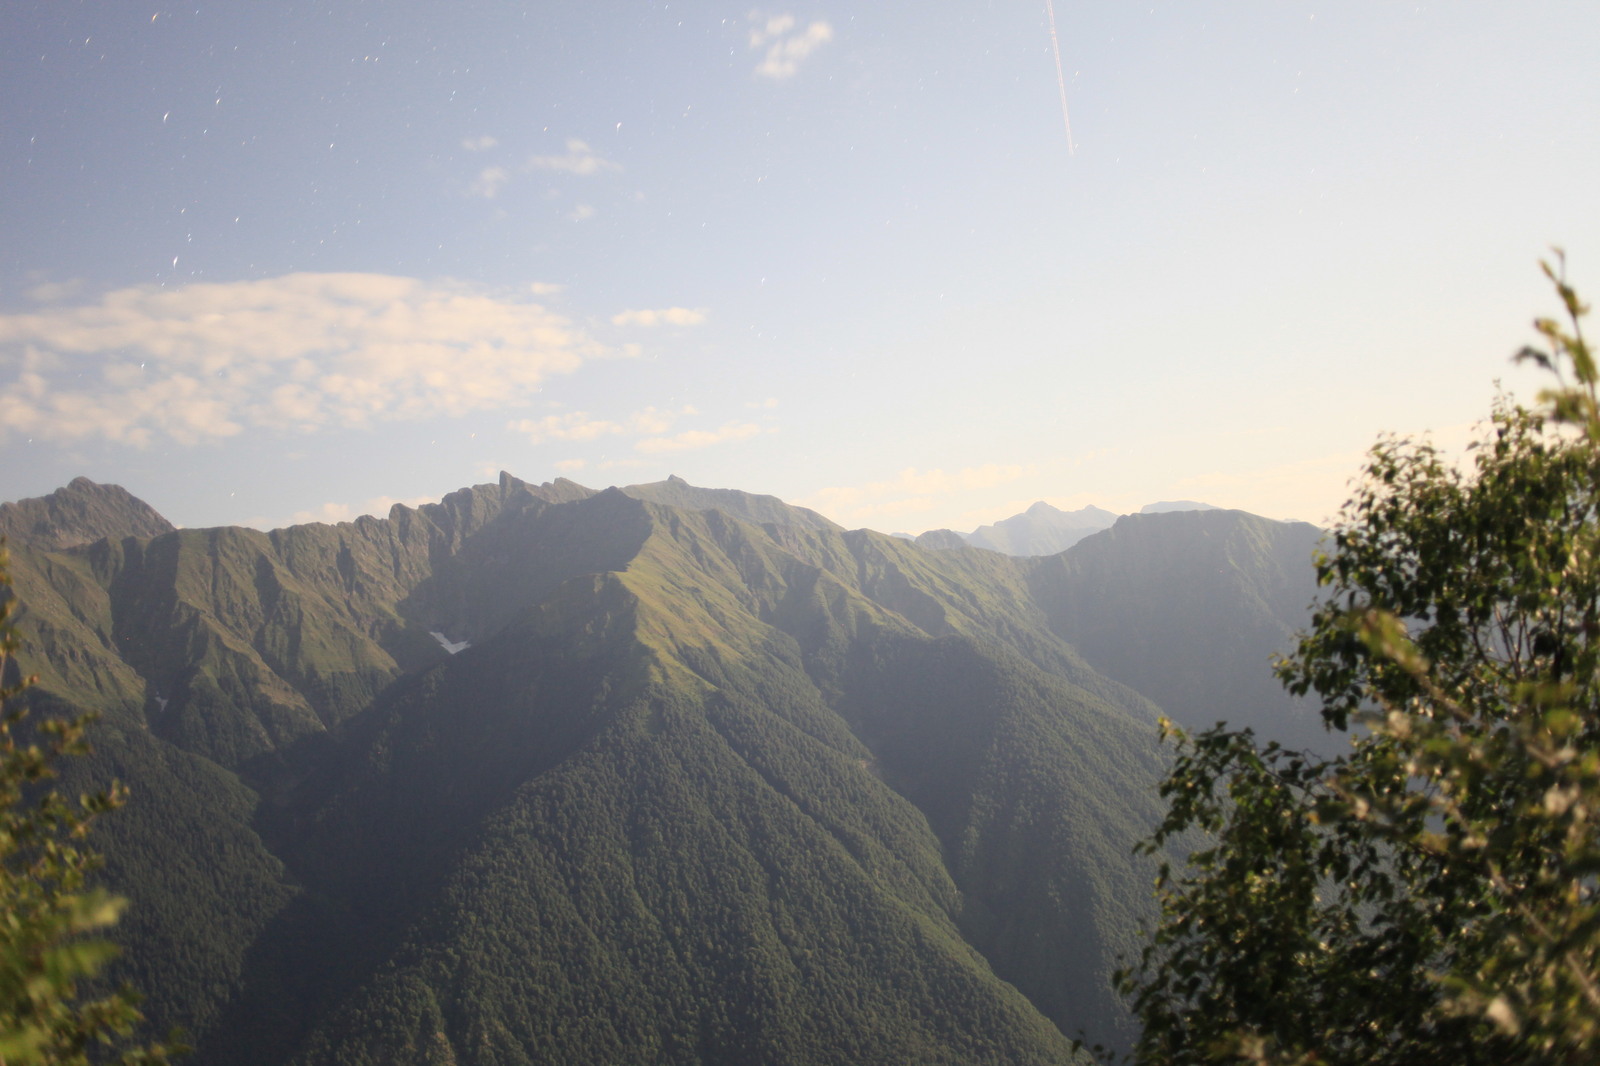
column 81, row 513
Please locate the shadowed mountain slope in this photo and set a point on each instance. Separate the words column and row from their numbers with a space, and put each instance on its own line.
column 1189, row 607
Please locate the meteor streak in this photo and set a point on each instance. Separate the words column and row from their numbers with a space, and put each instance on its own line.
column 1061, row 79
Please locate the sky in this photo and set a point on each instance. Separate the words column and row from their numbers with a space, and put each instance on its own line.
column 264, row 263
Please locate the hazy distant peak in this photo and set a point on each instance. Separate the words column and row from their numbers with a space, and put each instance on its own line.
column 80, row 513
column 1088, row 515
column 1041, row 530
column 1177, row 505
column 941, row 540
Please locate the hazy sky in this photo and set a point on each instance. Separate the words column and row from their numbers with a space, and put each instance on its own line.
column 271, row 261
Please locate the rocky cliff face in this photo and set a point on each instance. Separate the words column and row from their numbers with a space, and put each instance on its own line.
column 81, row 513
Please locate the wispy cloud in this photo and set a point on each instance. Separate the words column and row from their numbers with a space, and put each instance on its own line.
column 489, row 182
column 697, row 438
column 671, row 316
column 784, row 46
column 333, row 513
column 50, row 292
column 909, row 492
column 573, row 426
column 579, row 427
column 302, row 351
column 1296, row 489
column 579, row 159
column 582, row 213
column 652, row 426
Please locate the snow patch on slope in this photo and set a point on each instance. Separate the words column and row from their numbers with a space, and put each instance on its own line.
column 453, row 647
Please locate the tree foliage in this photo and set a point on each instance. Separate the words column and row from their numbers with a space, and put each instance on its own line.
column 1431, row 894
column 49, row 912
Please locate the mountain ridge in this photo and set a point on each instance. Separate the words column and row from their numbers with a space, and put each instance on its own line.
column 1041, row 529
column 80, row 512
column 689, row 680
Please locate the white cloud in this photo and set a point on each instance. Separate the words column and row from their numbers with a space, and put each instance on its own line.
column 478, row 144
column 697, row 438
column 489, row 182
column 302, row 351
column 580, row 159
column 672, row 316
column 582, row 213
column 330, row 513
column 785, row 47
column 545, row 288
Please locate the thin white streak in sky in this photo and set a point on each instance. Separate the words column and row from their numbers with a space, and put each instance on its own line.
column 1061, row 79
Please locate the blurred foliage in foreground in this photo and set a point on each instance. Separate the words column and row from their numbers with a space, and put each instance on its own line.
column 48, row 912
column 1430, row 896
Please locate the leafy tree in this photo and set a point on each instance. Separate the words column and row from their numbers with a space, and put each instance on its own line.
column 48, row 911
column 1430, row 895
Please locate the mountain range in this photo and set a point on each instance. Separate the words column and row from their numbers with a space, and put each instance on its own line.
column 1041, row 529
column 540, row 773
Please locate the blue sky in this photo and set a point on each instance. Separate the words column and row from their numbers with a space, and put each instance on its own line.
column 263, row 262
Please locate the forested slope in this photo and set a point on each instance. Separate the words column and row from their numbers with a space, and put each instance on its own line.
column 1189, row 607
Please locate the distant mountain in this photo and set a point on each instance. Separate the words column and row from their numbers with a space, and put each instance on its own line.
column 81, row 513
column 1040, row 530
column 1168, row 506
column 676, row 492
column 1188, row 607
column 663, row 773
column 939, row 539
